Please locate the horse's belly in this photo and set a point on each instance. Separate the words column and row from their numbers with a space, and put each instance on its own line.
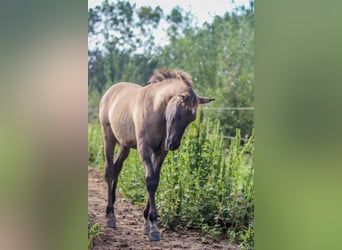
column 123, row 129
column 128, row 143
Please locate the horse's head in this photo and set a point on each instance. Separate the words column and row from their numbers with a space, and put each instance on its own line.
column 180, row 112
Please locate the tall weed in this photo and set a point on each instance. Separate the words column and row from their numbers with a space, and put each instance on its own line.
column 204, row 185
column 95, row 145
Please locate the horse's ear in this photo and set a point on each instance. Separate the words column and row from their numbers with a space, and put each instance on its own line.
column 203, row 100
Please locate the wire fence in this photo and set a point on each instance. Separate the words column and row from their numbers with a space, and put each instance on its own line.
column 226, row 137
column 230, row 109
column 226, row 108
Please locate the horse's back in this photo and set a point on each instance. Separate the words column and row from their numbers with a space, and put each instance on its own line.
column 117, row 94
column 116, row 108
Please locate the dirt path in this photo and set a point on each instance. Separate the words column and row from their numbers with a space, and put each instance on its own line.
column 129, row 231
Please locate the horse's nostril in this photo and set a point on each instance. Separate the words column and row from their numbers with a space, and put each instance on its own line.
column 172, row 146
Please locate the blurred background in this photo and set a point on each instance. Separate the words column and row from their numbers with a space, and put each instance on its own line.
column 214, row 42
column 44, row 112
column 211, row 40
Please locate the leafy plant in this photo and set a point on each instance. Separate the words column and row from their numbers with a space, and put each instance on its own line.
column 93, row 231
column 247, row 238
column 95, row 145
column 203, row 185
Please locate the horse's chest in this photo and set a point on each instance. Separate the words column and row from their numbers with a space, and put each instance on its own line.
column 155, row 138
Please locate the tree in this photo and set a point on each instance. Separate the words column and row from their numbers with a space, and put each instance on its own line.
column 219, row 55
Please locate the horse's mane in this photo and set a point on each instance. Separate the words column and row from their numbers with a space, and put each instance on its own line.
column 165, row 73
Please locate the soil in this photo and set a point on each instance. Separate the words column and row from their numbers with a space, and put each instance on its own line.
column 129, row 219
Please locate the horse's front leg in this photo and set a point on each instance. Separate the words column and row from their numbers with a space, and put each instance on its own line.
column 152, row 180
column 152, row 174
column 147, row 226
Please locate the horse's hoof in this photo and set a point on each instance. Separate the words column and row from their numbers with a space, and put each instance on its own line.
column 111, row 223
column 154, row 236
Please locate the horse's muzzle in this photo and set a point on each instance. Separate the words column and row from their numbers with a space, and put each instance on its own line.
column 171, row 145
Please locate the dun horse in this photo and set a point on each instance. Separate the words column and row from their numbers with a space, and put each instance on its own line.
column 151, row 119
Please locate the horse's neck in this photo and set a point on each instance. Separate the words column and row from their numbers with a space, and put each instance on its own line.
column 165, row 93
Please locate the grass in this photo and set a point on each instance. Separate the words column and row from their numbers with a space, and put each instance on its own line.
column 93, row 231
column 204, row 185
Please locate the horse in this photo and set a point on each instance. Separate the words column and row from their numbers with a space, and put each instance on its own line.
column 151, row 119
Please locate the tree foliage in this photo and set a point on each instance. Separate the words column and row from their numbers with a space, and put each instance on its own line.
column 219, row 55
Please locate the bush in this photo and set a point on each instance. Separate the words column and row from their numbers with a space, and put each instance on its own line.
column 203, row 185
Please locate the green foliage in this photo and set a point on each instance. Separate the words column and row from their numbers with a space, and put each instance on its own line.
column 95, row 145
column 123, row 26
column 219, row 55
column 132, row 179
column 202, row 186
column 93, row 231
column 247, row 237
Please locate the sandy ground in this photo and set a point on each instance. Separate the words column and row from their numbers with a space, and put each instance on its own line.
column 129, row 219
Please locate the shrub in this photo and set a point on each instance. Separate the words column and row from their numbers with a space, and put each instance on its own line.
column 203, row 185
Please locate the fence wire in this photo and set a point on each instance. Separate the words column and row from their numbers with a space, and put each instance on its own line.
column 91, row 110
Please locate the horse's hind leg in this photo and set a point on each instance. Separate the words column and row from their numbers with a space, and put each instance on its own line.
column 119, row 159
column 109, row 145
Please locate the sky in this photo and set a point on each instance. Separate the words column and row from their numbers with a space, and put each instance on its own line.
column 203, row 11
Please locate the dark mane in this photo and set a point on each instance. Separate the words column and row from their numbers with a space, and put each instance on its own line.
column 164, row 74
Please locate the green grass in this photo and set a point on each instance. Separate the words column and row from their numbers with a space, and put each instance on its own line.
column 204, row 185
column 95, row 145
column 93, row 231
